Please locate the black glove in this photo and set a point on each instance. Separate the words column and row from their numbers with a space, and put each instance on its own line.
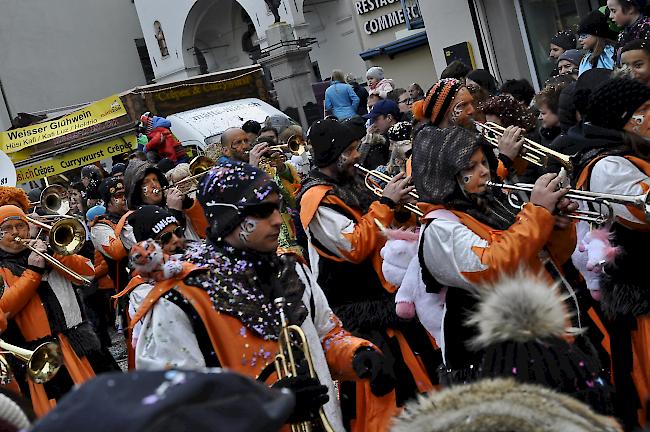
column 310, row 396
column 369, row 363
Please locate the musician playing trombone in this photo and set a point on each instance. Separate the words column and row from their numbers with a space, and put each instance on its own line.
column 473, row 236
column 218, row 310
column 41, row 305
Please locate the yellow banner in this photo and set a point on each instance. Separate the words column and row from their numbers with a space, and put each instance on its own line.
column 75, row 159
column 98, row 112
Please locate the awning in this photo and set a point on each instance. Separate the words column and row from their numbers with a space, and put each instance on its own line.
column 397, row 47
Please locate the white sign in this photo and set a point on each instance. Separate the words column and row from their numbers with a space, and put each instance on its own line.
column 7, row 171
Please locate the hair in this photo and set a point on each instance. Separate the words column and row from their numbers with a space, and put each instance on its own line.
column 599, row 49
column 265, row 139
column 418, row 87
column 520, row 89
column 395, row 94
column 269, row 129
column 290, row 131
column 337, row 75
column 510, row 111
column 637, row 45
column 456, row 69
column 550, row 96
column 138, row 154
column 627, row 5
column 251, row 126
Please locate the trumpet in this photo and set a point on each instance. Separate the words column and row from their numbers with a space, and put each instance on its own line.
column 199, row 166
column 378, row 190
column 42, row 363
column 293, row 337
column 532, row 152
column 603, row 200
column 53, row 200
column 295, row 145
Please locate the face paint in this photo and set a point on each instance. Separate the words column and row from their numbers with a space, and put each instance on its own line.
column 247, row 227
column 467, row 178
column 639, row 123
column 455, row 113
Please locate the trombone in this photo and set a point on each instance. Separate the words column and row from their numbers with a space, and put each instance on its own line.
column 532, row 152
column 600, row 199
column 42, row 363
column 52, row 261
column 66, row 236
column 378, row 190
column 53, row 200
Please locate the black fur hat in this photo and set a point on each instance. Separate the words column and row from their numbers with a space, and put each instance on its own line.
column 595, row 23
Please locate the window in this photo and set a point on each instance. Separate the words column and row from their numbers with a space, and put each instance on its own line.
column 145, row 61
column 542, row 19
column 412, row 14
column 160, row 37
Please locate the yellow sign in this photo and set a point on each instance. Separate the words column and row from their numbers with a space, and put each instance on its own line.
column 75, row 159
column 98, row 112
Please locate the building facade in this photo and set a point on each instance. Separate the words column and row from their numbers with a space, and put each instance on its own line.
column 65, row 53
column 508, row 37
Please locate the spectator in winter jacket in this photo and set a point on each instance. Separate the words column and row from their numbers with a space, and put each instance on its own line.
column 162, row 140
column 361, row 92
column 378, row 83
column 340, row 98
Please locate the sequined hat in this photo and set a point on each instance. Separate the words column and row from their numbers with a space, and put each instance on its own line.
column 227, row 190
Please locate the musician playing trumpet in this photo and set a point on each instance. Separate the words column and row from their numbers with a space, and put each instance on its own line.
column 41, row 305
column 340, row 215
column 145, row 184
column 473, row 236
column 217, row 309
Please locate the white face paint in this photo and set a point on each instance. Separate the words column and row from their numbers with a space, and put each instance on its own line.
column 467, row 178
column 247, row 227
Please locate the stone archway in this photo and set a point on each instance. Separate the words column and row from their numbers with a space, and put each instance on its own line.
column 219, row 31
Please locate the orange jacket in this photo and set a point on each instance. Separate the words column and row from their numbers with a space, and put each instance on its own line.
column 22, row 303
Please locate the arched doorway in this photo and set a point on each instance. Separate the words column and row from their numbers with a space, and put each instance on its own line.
column 218, row 35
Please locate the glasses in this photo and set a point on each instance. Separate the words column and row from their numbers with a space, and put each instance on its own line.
column 166, row 237
column 262, row 210
column 406, row 101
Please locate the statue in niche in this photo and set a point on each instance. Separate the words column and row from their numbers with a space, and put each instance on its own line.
column 274, row 7
column 160, row 37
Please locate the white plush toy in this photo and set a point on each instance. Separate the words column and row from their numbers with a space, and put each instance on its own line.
column 594, row 250
column 401, row 268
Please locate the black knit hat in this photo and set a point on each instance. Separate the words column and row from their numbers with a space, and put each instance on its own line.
column 612, row 104
column 523, row 325
column 149, row 220
column 156, row 401
column 329, row 138
column 109, row 187
column 595, row 23
column 227, row 190
column 565, row 39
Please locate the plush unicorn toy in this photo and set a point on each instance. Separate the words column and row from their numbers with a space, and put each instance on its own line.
column 401, row 268
column 593, row 252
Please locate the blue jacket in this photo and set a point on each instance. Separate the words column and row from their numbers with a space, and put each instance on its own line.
column 341, row 100
column 605, row 60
